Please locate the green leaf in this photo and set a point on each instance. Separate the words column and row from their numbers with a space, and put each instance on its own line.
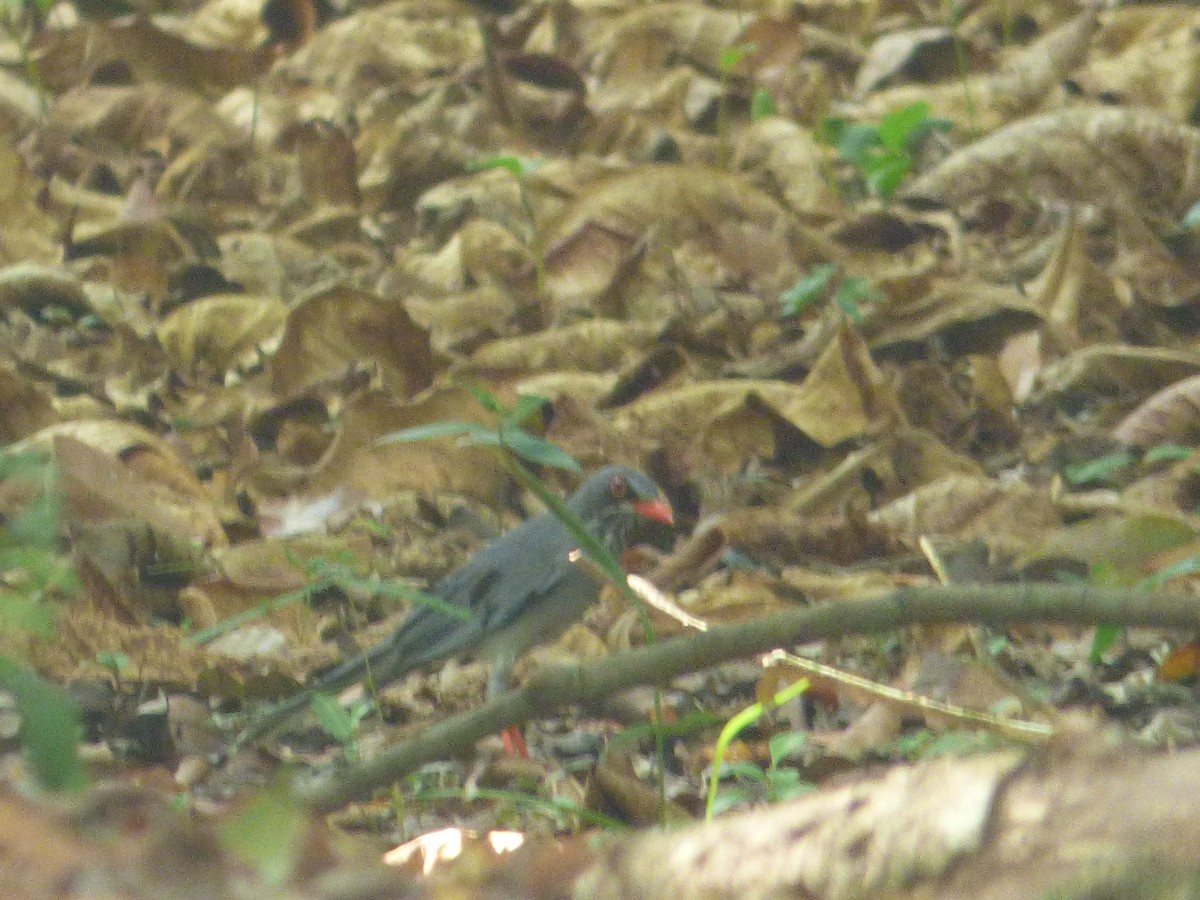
column 1167, row 453
column 1182, row 569
column 731, row 798
column 267, row 835
column 50, row 727
column 788, row 745
column 856, row 142
column 527, row 406
column 431, row 432
column 807, row 290
column 512, row 164
column 730, row 58
column 885, row 173
column 26, row 613
column 853, row 291
column 116, row 663
column 786, row 784
column 898, row 130
column 744, row 771
column 488, row 400
column 1102, row 641
column 536, row 450
column 331, row 716
column 762, row 105
column 1100, row 469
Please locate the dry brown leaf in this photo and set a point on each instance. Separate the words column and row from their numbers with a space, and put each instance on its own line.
column 115, row 471
column 221, row 332
column 430, row 467
column 598, row 345
column 1145, row 57
column 333, row 329
column 1138, row 159
column 27, row 231
column 843, row 397
column 1128, row 372
column 988, row 101
column 1167, row 417
column 961, row 506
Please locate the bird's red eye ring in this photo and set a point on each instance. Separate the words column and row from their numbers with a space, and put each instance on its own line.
column 618, row 486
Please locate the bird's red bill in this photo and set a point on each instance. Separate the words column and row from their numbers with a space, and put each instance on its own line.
column 655, row 511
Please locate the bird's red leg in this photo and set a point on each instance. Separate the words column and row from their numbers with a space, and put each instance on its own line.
column 514, row 742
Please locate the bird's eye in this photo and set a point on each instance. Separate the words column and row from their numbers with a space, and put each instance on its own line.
column 618, row 487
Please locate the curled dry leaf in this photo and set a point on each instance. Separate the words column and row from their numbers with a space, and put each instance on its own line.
column 844, row 396
column 27, row 231
column 431, row 467
column 971, row 507
column 113, row 470
column 221, row 332
column 1144, row 57
column 25, row 406
column 783, row 158
column 912, row 54
column 331, row 330
column 599, row 345
column 990, row 100
column 1168, row 417
column 1136, row 158
column 703, row 211
column 1127, row 372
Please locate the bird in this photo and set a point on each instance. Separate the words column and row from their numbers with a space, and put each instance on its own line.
column 520, row 590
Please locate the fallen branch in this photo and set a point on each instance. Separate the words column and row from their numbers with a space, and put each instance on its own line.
column 554, row 688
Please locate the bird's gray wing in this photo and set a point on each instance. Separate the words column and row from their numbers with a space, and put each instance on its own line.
column 509, row 575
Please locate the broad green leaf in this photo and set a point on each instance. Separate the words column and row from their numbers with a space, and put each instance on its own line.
column 1102, row 640
column 50, row 727
column 896, row 130
column 267, row 835
column 886, row 173
column 333, row 717
column 731, row 798
column 526, row 406
column 536, row 450
column 787, row 745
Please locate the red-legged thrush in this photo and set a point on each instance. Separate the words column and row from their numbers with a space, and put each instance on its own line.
column 520, row 590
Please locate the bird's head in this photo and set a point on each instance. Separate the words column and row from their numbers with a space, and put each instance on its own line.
column 615, row 500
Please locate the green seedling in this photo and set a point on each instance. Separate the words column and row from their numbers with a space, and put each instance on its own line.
column 340, row 723
column 36, row 573
column 736, row 726
column 883, row 154
column 520, row 170
column 775, row 784
column 850, row 294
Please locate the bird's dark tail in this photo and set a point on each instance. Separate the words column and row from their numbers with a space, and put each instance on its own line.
column 375, row 662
